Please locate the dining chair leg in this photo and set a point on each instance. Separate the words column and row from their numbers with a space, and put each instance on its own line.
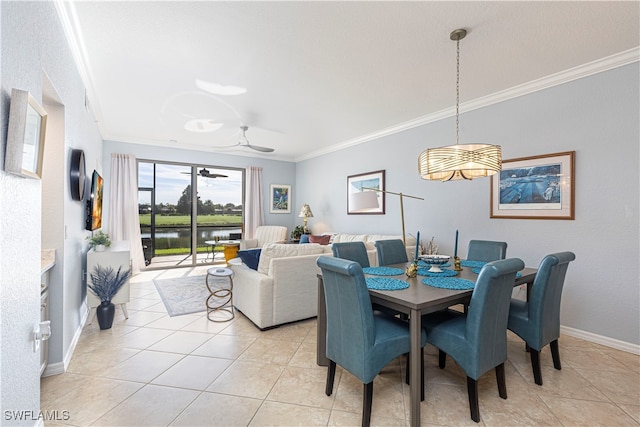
column 472, row 389
column 535, row 365
column 442, row 359
column 331, row 374
column 555, row 354
column 502, row 383
column 366, row 404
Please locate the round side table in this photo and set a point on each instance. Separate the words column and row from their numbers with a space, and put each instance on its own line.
column 221, row 299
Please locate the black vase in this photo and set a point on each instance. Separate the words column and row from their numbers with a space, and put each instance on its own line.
column 105, row 313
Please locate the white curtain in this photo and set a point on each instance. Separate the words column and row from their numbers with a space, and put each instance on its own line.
column 124, row 222
column 254, row 215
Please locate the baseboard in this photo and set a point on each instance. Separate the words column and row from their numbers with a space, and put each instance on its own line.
column 599, row 339
column 61, row 367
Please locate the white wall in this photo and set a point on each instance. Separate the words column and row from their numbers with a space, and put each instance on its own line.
column 27, row 57
column 273, row 172
column 596, row 116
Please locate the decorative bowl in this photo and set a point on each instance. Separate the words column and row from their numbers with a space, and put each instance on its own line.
column 435, row 261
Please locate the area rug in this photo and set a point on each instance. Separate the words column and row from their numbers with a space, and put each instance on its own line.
column 183, row 295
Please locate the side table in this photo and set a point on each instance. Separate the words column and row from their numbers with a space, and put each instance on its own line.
column 220, row 300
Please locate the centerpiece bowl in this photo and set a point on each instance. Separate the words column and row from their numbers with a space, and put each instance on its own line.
column 435, row 261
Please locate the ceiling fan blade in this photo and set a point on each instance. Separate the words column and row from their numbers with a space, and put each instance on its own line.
column 259, row 148
column 214, row 175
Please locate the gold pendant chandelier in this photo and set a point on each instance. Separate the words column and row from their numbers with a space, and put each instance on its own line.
column 459, row 161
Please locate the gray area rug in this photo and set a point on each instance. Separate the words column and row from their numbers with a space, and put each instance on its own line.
column 183, row 295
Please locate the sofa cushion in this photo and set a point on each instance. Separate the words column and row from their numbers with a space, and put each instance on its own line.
column 321, row 240
column 343, row 237
column 280, row 250
column 250, row 257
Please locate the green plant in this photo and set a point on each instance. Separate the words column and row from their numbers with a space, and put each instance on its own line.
column 105, row 283
column 297, row 232
column 99, row 238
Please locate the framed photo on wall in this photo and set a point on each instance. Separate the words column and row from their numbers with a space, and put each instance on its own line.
column 365, row 193
column 536, row 187
column 280, row 198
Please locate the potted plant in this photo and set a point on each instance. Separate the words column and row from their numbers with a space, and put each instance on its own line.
column 297, row 232
column 99, row 241
column 105, row 284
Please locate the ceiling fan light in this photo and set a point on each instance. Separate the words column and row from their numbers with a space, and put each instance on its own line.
column 460, row 161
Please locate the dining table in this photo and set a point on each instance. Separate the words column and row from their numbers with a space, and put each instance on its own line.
column 414, row 301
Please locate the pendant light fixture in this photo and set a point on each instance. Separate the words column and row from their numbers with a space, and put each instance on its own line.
column 459, row 161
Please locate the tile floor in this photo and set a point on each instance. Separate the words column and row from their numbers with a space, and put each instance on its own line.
column 156, row 370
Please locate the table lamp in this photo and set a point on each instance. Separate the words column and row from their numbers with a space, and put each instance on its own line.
column 305, row 212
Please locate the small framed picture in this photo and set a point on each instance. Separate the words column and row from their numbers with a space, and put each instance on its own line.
column 280, row 198
column 365, row 193
column 537, row 187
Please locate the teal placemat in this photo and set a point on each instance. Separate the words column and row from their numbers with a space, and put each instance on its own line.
column 382, row 271
column 445, row 273
column 470, row 263
column 385, row 284
column 454, row 283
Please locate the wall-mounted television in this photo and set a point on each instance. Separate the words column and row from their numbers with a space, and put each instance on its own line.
column 94, row 203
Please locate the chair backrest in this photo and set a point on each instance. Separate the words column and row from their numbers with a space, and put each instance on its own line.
column 350, row 325
column 352, row 251
column 486, row 250
column 391, row 252
column 545, row 296
column 270, row 234
column 488, row 315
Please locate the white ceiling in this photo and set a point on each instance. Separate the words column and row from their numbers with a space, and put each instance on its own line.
column 323, row 75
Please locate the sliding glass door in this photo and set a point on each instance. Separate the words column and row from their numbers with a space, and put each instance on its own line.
column 184, row 209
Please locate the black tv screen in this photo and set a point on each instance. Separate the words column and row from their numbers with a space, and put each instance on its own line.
column 94, row 204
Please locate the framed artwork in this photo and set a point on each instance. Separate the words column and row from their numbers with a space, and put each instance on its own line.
column 366, row 204
column 537, row 187
column 280, row 198
column 25, row 136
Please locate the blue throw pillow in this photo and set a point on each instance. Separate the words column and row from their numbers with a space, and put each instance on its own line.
column 250, row 257
column 304, row 238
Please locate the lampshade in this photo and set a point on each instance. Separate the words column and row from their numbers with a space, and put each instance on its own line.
column 459, row 161
column 305, row 212
column 363, row 201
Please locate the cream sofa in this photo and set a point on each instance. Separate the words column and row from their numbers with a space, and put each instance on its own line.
column 284, row 288
column 265, row 234
column 369, row 242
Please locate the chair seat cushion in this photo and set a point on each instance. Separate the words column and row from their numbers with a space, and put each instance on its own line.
column 520, row 325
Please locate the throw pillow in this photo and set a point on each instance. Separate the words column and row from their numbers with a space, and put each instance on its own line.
column 322, row 240
column 250, row 257
column 304, row 238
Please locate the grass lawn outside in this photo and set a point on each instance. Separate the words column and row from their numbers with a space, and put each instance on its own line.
column 185, row 220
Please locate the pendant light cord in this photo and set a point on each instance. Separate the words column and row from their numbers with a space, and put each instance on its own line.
column 457, row 90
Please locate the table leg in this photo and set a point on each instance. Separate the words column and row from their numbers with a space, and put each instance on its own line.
column 415, row 330
column 321, row 339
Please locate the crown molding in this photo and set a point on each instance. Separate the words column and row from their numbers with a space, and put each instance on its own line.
column 598, row 66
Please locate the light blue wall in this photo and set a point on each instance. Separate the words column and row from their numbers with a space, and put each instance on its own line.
column 596, row 116
column 34, row 51
column 273, row 171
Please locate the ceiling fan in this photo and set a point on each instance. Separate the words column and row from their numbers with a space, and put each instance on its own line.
column 204, row 172
column 244, row 142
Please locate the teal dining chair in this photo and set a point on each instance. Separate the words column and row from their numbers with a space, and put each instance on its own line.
column 477, row 340
column 486, row 250
column 391, row 252
column 359, row 341
column 537, row 320
column 353, row 251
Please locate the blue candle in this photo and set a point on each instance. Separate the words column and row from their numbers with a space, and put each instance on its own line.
column 455, row 250
column 417, row 246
